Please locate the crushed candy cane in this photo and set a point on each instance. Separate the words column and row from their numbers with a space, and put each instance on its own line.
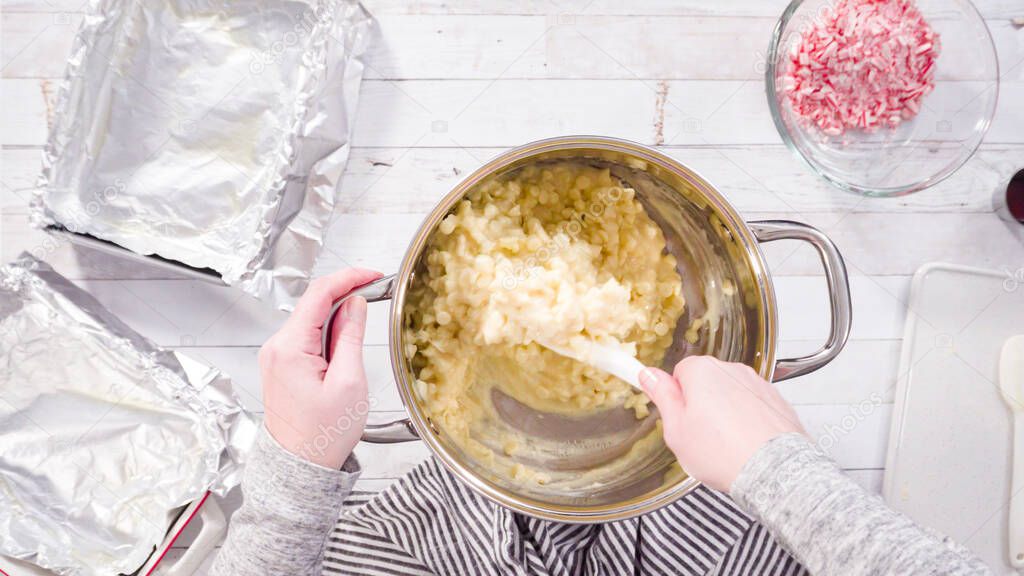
column 866, row 64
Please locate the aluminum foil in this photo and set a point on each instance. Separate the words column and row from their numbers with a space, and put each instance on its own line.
column 210, row 133
column 102, row 433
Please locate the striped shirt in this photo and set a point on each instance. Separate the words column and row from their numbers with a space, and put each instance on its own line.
column 430, row 523
column 301, row 519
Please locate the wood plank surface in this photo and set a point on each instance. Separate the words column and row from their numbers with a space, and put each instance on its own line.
column 451, row 84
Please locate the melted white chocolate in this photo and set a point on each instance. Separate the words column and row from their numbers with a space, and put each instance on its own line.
column 555, row 254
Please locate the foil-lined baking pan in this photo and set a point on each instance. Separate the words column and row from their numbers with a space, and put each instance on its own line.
column 102, row 433
column 208, row 133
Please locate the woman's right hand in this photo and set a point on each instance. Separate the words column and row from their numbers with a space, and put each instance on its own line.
column 716, row 415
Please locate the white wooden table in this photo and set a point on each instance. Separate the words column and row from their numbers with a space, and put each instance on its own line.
column 449, row 84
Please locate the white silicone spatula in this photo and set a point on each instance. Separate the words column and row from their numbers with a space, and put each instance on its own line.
column 1011, row 384
column 603, row 357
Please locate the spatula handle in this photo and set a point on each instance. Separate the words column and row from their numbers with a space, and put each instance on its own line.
column 619, row 364
column 1015, row 526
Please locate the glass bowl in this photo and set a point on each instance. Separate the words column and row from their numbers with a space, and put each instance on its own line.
column 921, row 151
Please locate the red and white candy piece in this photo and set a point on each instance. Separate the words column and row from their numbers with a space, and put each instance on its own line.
column 866, row 64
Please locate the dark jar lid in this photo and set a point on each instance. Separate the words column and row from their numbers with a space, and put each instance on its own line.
column 1015, row 196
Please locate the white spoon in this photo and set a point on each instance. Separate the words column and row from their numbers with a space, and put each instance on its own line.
column 603, row 357
column 1011, row 384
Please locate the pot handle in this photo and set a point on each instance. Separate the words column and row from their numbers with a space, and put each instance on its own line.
column 838, row 288
column 379, row 290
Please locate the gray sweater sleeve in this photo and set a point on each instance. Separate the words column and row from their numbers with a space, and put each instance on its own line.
column 832, row 525
column 289, row 507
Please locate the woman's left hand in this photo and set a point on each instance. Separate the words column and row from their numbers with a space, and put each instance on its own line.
column 315, row 410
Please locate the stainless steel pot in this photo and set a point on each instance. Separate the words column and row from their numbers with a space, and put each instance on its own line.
column 714, row 247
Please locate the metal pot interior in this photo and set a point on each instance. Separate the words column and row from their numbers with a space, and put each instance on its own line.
column 714, row 250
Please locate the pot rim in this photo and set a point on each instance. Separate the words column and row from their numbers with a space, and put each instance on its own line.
column 425, row 430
